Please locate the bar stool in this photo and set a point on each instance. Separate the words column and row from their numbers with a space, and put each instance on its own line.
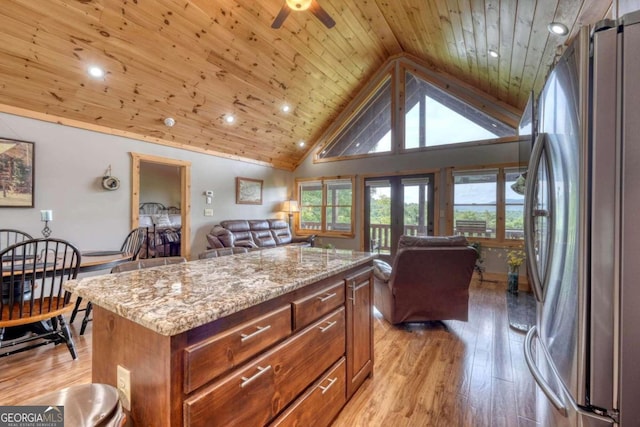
column 87, row 405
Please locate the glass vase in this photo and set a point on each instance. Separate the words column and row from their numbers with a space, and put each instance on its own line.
column 512, row 281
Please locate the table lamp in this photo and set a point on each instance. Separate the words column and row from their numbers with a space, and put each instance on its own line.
column 46, row 216
column 290, row 206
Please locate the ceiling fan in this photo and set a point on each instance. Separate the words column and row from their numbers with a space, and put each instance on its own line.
column 299, row 5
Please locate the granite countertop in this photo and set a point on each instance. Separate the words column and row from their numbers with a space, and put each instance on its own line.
column 174, row 298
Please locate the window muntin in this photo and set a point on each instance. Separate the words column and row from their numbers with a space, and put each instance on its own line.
column 310, row 205
column 434, row 117
column 486, row 206
column 513, row 205
column 326, row 206
column 475, row 205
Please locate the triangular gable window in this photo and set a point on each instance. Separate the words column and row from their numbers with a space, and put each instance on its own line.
column 436, row 118
column 433, row 116
column 369, row 131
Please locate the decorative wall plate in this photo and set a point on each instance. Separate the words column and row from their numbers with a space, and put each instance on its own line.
column 110, row 183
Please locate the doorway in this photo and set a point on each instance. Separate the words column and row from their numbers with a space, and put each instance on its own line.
column 185, row 194
column 397, row 205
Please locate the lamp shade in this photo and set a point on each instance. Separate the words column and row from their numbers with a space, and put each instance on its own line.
column 290, row 206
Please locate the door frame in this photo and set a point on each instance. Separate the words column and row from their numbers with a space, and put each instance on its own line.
column 436, row 200
column 185, row 194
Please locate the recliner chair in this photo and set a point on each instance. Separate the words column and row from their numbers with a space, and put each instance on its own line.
column 429, row 280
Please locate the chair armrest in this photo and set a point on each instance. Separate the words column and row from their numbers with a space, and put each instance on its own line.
column 381, row 270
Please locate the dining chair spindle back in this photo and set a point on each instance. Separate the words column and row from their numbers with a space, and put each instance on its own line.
column 33, row 300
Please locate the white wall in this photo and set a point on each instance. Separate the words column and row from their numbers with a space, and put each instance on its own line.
column 70, row 163
column 160, row 184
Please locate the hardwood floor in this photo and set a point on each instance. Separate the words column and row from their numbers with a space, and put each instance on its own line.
column 452, row 374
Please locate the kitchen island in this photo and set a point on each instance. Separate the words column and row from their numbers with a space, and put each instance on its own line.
column 280, row 336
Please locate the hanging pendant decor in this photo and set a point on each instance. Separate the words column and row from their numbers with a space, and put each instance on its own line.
column 109, row 182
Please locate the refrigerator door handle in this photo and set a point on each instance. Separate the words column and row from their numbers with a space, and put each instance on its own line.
column 529, row 222
column 537, row 376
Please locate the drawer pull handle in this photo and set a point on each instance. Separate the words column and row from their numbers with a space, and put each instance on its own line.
column 328, row 386
column 246, row 381
column 326, row 297
column 330, row 324
column 259, row 330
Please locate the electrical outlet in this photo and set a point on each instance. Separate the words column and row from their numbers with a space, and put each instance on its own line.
column 208, row 212
column 124, row 386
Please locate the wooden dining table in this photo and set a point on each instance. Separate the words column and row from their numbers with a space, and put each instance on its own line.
column 92, row 261
column 102, row 260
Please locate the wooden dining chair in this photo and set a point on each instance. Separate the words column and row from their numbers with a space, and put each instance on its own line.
column 129, row 266
column 132, row 244
column 10, row 237
column 33, row 300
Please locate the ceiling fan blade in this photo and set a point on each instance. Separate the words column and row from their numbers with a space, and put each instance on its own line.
column 282, row 15
column 321, row 14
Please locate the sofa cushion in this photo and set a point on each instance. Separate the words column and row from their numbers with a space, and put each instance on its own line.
column 236, row 225
column 280, row 231
column 431, row 241
column 263, row 238
column 246, row 243
column 224, row 236
column 258, row 224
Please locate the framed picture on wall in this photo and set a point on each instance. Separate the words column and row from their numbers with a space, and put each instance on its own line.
column 248, row 191
column 16, row 173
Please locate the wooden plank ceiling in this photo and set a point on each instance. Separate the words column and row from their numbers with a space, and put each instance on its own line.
column 199, row 61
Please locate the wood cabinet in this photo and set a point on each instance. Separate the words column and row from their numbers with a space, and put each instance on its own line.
column 359, row 329
column 292, row 360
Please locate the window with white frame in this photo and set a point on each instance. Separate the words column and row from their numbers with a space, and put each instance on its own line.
column 326, row 205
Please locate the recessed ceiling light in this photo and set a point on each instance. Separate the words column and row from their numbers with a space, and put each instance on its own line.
column 95, row 71
column 301, row 143
column 286, row 108
column 493, row 53
column 230, row 118
column 169, row 122
column 558, row 28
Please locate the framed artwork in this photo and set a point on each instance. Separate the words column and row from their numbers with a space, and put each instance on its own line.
column 248, row 191
column 16, row 173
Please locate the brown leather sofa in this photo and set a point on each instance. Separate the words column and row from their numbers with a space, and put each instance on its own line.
column 254, row 234
column 429, row 280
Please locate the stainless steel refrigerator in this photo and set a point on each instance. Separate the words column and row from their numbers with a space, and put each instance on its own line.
column 582, row 222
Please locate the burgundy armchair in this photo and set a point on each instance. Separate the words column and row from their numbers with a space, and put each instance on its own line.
column 429, row 280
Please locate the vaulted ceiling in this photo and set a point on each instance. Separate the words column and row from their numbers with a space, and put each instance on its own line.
column 200, row 61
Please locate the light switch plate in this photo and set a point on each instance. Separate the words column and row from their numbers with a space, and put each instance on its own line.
column 208, row 212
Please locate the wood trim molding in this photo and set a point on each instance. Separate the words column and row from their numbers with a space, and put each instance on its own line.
column 185, row 194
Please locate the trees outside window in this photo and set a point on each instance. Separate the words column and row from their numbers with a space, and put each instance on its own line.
column 326, row 206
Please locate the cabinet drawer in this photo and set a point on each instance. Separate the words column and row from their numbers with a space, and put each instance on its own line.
column 321, row 403
column 312, row 307
column 258, row 391
column 208, row 359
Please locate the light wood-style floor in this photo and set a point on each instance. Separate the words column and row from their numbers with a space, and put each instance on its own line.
column 452, row 374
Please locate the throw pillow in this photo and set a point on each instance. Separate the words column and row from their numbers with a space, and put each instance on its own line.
column 381, row 270
column 162, row 220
